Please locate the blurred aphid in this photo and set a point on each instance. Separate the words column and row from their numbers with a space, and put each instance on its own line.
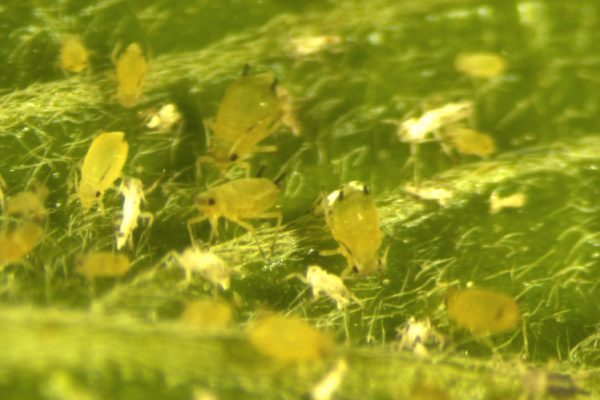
column 482, row 311
column 482, row 65
column 247, row 198
column 515, row 200
column 419, row 337
column 29, row 204
column 164, row 119
column 322, row 282
column 211, row 267
column 132, row 190
column 351, row 215
column 248, row 114
column 470, row 142
column 74, row 56
column 539, row 384
column 102, row 264
column 102, row 165
column 427, row 391
column 207, row 315
column 18, row 242
column 326, row 388
column 309, row 45
column 289, row 339
column 131, row 68
column 441, row 195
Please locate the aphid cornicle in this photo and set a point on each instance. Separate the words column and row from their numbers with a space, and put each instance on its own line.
column 352, row 217
column 482, row 311
column 102, row 165
column 248, row 113
column 247, row 198
column 131, row 68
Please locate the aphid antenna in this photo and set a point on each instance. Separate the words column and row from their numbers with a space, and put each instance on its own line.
column 260, row 171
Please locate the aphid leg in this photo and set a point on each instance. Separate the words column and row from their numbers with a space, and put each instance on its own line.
column 330, row 252
column 194, row 221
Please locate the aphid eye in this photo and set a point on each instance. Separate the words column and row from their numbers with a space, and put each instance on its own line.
column 355, row 269
column 211, row 201
column 233, row 157
column 98, row 194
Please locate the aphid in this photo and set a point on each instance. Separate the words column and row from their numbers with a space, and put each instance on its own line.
column 419, row 337
column 164, row 119
column 102, row 165
column 101, row 264
column 483, row 311
column 131, row 67
column 539, row 384
column 74, row 57
column 352, row 217
column 470, row 142
column 18, row 242
column 481, row 65
column 325, row 389
column 207, row 314
column 132, row 190
column 29, row 203
column 248, row 114
column 247, row 198
column 289, row 339
column 322, row 282
column 309, row 45
column 205, row 263
column 515, row 200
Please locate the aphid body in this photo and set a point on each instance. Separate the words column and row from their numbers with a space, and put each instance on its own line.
column 483, row 65
column 470, row 142
column 29, row 203
column 102, row 264
column 18, row 242
column 352, row 217
column 483, row 311
column 131, row 67
column 102, row 165
column 322, row 282
column 209, row 265
column 207, row 314
column 289, row 339
column 132, row 190
column 499, row 203
column 248, row 113
column 237, row 201
column 74, row 56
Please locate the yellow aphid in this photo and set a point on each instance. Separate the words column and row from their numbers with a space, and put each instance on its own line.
column 132, row 190
column 29, row 203
column 248, row 113
column 209, row 265
column 132, row 67
column 289, row 339
column 18, row 242
column 352, row 217
column 481, row 65
column 247, row 198
column 483, row 311
column 207, row 315
column 102, row 165
column 498, row 203
column 101, row 264
column 74, row 56
column 322, row 282
column 470, row 142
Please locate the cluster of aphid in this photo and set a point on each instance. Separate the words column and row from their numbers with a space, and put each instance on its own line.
column 252, row 109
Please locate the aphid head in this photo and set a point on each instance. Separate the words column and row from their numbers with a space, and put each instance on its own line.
column 207, row 202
